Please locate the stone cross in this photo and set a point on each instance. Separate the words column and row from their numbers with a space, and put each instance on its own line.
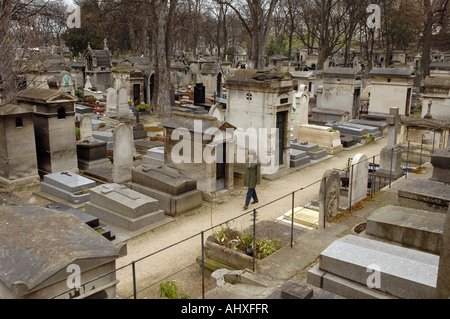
column 393, row 121
column 121, row 189
column 88, row 84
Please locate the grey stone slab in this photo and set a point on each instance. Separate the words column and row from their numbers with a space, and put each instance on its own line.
column 96, row 124
column 403, row 272
column 411, row 227
column 68, row 181
column 303, row 146
column 122, row 200
column 106, row 137
column 173, row 205
column 425, row 194
column 301, row 161
column 350, row 130
column 370, row 129
column 163, row 180
column 317, row 153
column 90, row 220
column 63, row 194
column 341, row 286
column 122, row 221
column 297, row 154
column 380, row 124
column 296, row 290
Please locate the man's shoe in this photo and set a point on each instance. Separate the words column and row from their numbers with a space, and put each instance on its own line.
column 255, row 201
column 245, row 207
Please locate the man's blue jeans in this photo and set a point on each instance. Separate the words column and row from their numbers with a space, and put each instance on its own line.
column 251, row 193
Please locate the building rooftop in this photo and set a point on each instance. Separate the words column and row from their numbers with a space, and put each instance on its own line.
column 393, row 72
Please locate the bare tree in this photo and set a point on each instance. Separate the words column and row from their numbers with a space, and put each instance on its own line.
column 435, row 13
column 21, row 31
column 256, row 17
column 163, row 14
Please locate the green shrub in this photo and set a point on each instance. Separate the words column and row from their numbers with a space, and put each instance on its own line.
column 169, row 290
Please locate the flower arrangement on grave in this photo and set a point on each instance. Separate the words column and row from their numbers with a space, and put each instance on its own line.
column 243, row 243
column 90, row 99
column 368, row 138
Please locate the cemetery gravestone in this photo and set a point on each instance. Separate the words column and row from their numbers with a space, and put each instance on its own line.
column 86, row 128
column 359, row 173
column 68, row 186
column 329, row 194
column 111, row 102
column 122, row 109
column 123, row 154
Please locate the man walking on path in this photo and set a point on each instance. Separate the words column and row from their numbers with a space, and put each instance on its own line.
column 252, row 177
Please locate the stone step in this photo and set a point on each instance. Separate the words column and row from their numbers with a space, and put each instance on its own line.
column 341, row 286
column 403, row 272
column 408, row 226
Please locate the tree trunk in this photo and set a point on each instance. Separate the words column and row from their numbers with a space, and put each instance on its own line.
column 426, row 45
column 7, row 79
column 163, row 48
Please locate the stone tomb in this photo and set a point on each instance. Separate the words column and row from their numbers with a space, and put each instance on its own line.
column 407, row 226
column 347, row 266
column 18, row 161
column 54, row 129
column 321, row 135
column 91, row 221
column 177, row 194
column 431, row 194
column 91, row 153
column 299, row 158
column 154, row 155
column 67, row 186
column 312, row 150
column 107, row 137
column 118, row 205
column 39, row 244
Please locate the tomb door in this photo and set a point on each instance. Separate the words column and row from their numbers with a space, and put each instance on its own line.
column 408, row 101
column 219, row 85
column 136, row 94
column 281, row 129
column 220, row 166
column 356, row 101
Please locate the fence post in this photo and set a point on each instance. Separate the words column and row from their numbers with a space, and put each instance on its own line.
column 390, row 170
column 350, row 186
column 254, row 237
column 407, row 159
column 372, row 184
column 203, row 266
column 134, row 279
column 292, row 221
column 421, row 148
column 434, row 137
